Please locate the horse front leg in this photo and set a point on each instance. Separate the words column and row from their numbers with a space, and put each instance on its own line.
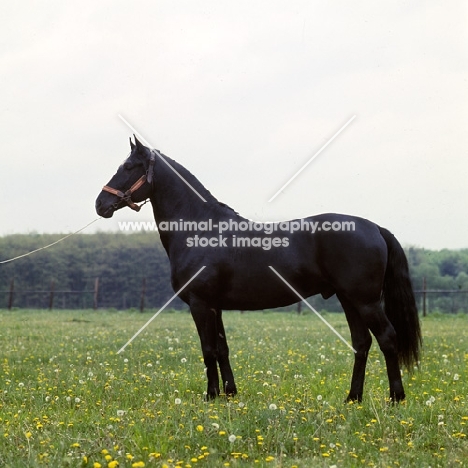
column 229, row 386
column 206, row 323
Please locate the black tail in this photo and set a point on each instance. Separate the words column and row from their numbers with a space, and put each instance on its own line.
column 400, row 305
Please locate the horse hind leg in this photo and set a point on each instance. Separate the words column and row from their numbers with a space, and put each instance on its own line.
column 380, row 326
column 362, row 341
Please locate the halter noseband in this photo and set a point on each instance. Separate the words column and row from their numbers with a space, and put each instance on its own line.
column 127, row 196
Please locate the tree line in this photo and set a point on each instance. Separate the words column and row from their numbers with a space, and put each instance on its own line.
column 125, row 264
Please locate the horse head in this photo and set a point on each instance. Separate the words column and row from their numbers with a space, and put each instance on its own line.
column 131, row 184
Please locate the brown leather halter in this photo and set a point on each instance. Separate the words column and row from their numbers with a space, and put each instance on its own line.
column 127, row 196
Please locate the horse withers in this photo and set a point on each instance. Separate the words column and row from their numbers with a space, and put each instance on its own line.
column 359, row 261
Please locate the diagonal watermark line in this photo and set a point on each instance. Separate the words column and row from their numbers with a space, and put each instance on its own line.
column 161, row 309
column 312, row 309
column 158, row 154
column 312, row 158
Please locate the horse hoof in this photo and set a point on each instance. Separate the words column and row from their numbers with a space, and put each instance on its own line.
column 354, row 398
column 397, row 397
column 230, row 391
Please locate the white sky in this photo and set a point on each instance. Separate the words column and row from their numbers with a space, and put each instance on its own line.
column 242, row 94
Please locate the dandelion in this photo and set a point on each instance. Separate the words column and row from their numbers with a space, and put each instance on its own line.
column 200, row 428
column 177, row 401
column 77, row 400
column 120, row 413
column 232, row 438
column 97, row 465
column 273, row 407
column 21, row 385
column 319, row 397
column 183, row 360
column 241, row 404
column 215, row 425
column 113, row 464
column 456, row 377
column 139, row 464
column 430, row 401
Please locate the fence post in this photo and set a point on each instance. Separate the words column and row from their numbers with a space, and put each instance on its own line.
column 143, row 292
column 51, row 297
column 96, row 291
column 12, row 292
column 299, row 308
column 424, row 296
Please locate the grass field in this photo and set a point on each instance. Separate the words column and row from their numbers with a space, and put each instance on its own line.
column 68, row 399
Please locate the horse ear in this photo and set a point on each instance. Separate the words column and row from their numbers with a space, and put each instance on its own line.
column 137, row 143
column 131, row 143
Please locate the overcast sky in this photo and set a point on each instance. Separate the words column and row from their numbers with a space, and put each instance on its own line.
column 242, row 94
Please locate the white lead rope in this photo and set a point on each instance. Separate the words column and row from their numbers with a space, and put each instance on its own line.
column 50, row 245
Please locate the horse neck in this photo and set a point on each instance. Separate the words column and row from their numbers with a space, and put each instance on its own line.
column 173, row 199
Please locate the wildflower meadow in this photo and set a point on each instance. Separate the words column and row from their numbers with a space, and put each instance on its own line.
column 67, row 399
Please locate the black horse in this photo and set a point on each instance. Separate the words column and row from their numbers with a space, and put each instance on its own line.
column 360, row 262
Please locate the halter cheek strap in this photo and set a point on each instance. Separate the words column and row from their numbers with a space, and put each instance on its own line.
column 127, row 196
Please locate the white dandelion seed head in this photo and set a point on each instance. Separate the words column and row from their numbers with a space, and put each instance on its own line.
column 120, row 412
column 273, row 406
column 319, row 397
column 183, row 360
column 77, row 400
column 456, row 377
column 177, row 401
column 232, row 438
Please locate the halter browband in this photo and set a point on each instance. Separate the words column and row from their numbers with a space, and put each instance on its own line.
column 127, row 196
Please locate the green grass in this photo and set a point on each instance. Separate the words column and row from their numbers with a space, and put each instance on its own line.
column 67, row 398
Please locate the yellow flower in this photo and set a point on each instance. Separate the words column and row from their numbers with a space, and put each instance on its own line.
column 97, row 465
column 200, row 428
column 113, row 464
column 139, row 464
column 28, row 435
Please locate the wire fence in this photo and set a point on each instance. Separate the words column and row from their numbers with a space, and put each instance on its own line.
column 102, row 296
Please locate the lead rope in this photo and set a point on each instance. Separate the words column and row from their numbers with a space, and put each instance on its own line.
column 50, row 245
